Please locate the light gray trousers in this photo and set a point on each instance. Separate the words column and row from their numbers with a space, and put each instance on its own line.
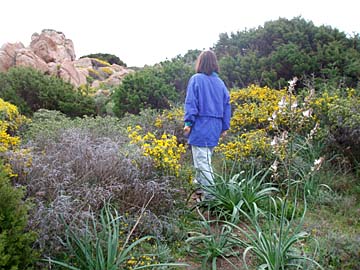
column 202, row 163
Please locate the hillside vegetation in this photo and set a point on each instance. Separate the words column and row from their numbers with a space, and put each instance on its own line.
column 105, row 181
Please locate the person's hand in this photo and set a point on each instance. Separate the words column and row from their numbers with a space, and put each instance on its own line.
column 187, row 130
column 223, row 134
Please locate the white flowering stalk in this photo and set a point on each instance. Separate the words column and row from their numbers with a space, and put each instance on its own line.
column 275, row 141
column 313, row 131
column 292, row 84
column 317, row 164
column 307, row 113
column 274, row 166
column 310, row 96
column 282, row 103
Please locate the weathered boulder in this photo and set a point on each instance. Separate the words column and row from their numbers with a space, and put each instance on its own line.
column 27, row 58
column 67, row 71
column 117, row 76
column 83, row 63
column 52, row 46
column 7, row 55
column 114, row 79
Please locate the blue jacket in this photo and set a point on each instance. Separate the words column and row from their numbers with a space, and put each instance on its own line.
column 207, row 107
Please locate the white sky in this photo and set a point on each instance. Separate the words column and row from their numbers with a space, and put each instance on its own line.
column 144, row 32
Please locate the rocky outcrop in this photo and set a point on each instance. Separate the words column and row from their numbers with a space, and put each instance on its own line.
column 52, row 46
column 52, row 53
column 7, row 55
column 27, row 58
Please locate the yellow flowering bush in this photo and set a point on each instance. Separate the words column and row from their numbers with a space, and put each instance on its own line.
column 6, row 140
column 94, row 73
column 10, row 115
column 171, row 121
column 322, row 104
column 165, row 151
column 142, row 260
column 107, row 70
column 99, row 62
column 10, row 121
column 172, row 115
column 338, row 114
column 253, row 106
column 258, row 113
column 252, row 143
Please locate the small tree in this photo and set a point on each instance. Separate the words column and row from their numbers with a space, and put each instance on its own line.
column 143, row 89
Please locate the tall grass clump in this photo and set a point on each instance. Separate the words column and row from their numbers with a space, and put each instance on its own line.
column 212, row 240
column 99, row 245
column 275, row 240
column 232, row 192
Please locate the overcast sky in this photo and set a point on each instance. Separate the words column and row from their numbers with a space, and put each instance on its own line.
column 144, row 32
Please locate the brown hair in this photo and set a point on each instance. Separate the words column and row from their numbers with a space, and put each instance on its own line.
column 207, row 63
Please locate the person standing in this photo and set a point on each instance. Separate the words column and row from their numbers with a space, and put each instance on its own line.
column 207, row 115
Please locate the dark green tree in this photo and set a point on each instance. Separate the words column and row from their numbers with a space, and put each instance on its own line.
column 274, row 53
column 177, row 72
column 31, row 90
column 143, row 89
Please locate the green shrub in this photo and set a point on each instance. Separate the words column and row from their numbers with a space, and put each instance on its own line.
column 15, row 242
column 31, row 90
column 344, row 117
column 141, row 90
column 340, row 251
column 177, row 73
column 110, row 58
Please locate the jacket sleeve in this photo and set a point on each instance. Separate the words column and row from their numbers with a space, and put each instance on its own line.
column 227, row 112
column 191, row 102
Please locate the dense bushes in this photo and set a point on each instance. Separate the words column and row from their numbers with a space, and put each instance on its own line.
column 15, row 241
column 143, row 89
column 81, row 163
column 68, row 161
column 177, row 72
column 272, row 54
column 154, row 87
column 31, row 90
column 110, row 58
column 344, row 127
